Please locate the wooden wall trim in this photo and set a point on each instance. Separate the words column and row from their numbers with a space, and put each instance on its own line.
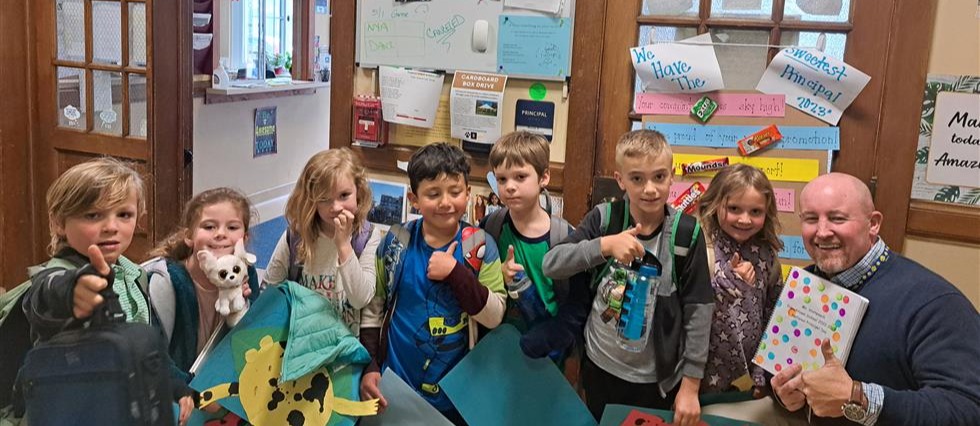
column 901, row 108
column 17, row 230
column 170, row 109
column 343, row 29
column 583, row 107
column 944, row 221
column 617, row 83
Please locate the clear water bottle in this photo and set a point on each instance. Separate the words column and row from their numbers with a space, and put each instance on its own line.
column 637, row 309
column 529, row 302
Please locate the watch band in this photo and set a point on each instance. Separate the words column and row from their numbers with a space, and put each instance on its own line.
column 857, row 393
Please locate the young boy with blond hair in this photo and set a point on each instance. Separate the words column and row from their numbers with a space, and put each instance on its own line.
column 666, row 370
column 520, row 162
column 92, row 212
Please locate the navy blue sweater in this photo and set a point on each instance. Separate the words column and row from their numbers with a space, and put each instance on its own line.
column 920, row 340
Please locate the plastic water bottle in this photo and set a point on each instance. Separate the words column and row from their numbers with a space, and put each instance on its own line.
column 523, row 291
column 638, row 304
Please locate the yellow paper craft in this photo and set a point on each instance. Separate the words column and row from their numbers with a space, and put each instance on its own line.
column 776, row 169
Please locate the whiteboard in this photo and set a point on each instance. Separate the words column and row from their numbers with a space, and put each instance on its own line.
column 439, row 34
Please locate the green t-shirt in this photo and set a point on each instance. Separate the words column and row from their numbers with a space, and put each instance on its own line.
column 529, row 253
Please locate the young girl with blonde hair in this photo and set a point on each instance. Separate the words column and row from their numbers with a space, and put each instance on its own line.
column 739, row 217
column 181, row 293
column 329, row 246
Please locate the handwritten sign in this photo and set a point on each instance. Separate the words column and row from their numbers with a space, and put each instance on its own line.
column 793, row 248
column 534, row 45
column 954, row 152
column 678, row 68
column 729, row 104
column 813, row 82
column 785, row 197
column 794, row 137
column 782, row 169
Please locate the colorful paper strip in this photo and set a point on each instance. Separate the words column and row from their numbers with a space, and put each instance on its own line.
column 785, row 197
column 729, row 104
column 776, row 168
column 793, row 248
column 794, row 137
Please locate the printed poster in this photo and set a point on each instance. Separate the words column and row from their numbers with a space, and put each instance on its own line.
column 813, row 82
column 954, row 152
column 475, row 101
column 534, row 46
column 677, row 67
column 537, row 117
column 921, row 188
column 265, row 142
column 409, row 97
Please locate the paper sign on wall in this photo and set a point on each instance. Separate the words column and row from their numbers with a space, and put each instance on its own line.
column 678, row 68
column 536, row 117
column 954, row 151
column 534, row 45
column 408, row 96
column 729, row 104
column 475, row 101
column 813, row 82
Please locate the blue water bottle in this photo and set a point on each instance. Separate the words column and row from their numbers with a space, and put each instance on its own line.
column 638, row 304
column 524, row 293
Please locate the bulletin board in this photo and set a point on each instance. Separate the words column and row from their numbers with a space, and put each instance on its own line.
column 466, row 35
column 790, row 170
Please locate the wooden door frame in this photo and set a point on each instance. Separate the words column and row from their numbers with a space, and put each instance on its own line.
column 583, row 101
column 890, row 42
column 17, row 227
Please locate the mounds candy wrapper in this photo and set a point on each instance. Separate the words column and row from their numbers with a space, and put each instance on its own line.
column 688, row 199
column 704, row 166
column 704, row 108
column 759, row 140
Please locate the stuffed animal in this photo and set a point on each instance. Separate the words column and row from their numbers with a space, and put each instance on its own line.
column 229, row 274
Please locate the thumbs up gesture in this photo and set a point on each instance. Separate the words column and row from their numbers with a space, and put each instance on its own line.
column 441, row 263
column 623, row 246
column 85, row 297
column 829, row 387
column 510, row 267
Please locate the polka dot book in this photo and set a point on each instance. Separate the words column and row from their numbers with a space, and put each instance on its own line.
column 809, row 310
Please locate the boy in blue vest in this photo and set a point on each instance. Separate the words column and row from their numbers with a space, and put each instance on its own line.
column 436, row 276
column 667, row 368
column 520, row 163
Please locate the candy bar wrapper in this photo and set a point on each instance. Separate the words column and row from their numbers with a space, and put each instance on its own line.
column 704, row 166
column 704, row 108
column 759, row 140
column 687, row 201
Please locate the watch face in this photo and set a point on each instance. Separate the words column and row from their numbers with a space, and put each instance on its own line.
column 854, row 412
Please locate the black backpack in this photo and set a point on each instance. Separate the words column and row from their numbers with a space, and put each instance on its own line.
column 111, row 372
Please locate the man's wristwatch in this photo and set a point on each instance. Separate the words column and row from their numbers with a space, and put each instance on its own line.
column 856, row 409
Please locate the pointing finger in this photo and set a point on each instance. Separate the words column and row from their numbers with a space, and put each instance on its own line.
column 97, row 260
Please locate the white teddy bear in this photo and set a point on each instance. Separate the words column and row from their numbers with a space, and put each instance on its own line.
column 228, row 273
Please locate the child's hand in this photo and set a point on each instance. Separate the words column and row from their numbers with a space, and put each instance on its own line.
column 343, row 234
column 623, row 246
column 687, row 408
column 441, row 263
column 743, row 269
column 85, row 297
column 510, row 267
column 370, row 390
column 186, row 404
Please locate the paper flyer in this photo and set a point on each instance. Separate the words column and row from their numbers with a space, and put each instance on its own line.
column 534, row 45
column 678, row 68
column 475, row 101
column 954, row 155
column 408, row 96
column 813, row 82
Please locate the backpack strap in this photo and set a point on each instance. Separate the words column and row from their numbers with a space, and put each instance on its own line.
column 361, row 238
column 684, row 234
column 494, row 224
column 295, row 269
column 558, row 231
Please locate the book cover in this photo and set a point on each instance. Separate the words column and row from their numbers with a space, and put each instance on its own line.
column 808, row 310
